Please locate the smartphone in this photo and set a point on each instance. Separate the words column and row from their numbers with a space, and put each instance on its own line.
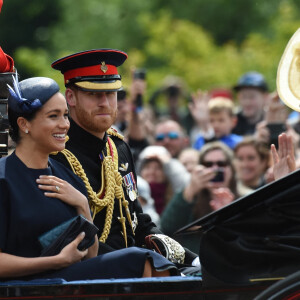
column 219, row 177
column 121, row 95
column 275, row 130
column 139, row 74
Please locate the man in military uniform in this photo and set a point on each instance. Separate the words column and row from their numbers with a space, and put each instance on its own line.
column 98, row 154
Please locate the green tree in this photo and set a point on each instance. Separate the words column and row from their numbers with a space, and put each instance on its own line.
column 190, row 52
column 99, row 24
column 167, row 37
column 27, row 23
column 226, row 20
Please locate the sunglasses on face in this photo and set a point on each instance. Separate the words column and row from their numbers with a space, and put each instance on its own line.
column 171, row 135
column 219, row 163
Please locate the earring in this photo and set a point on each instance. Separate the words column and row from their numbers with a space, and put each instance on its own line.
column 26, row 130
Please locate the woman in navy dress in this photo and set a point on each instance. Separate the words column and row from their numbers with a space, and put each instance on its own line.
column 38, row 193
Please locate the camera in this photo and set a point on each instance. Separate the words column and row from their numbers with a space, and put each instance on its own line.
column 139, row 74
column 5, row 78
column 219, row 177
column 121, row 95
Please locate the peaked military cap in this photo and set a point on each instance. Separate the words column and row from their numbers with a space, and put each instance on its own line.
column 92, row 70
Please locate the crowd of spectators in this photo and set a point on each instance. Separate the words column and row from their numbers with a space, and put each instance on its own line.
column 197, row 160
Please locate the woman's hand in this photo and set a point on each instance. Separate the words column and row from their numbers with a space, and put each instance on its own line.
column 12, row 266
column 70, row 254
column 283, row 160
column 61, row 189
column 220, row 198
column 200, row 178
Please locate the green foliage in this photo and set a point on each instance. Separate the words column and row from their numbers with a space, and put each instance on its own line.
column 36, row 63
column 98, row 24
column 226, row 20
column 191, row 53
column 26, row 23
column 205, row 43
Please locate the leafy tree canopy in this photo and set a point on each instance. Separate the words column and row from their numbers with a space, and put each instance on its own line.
column 205, row 43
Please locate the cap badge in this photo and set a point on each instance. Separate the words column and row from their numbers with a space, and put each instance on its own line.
column 104, row 67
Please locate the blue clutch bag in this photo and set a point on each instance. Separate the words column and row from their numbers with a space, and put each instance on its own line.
column 56, row 239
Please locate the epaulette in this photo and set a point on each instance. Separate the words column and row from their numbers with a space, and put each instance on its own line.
column 114, row 132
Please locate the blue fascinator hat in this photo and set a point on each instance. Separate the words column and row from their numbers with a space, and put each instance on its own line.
column 30, row 94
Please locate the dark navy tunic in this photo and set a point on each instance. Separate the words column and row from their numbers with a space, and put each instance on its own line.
column 25, row 212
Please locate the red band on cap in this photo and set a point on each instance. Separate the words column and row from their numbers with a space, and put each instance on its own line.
column 90, row 71
column 6, row 62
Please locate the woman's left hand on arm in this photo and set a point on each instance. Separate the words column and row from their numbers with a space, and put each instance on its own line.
column 57, row 188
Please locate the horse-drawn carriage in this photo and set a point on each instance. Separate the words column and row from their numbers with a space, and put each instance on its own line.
column 246, row 249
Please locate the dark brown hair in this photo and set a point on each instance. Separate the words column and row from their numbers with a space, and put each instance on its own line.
column 202, row 207
column 261, row 148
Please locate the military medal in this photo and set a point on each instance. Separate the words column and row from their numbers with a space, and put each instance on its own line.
column 134, row 194
column 130, row 185
column 131, row 195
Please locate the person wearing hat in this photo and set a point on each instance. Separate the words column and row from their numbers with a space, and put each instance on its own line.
column 38, row 194
column 252, row 94
column 98, row 154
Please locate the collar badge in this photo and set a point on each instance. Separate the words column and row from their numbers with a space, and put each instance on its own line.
column 123, row 167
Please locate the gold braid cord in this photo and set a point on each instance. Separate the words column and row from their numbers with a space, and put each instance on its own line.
column 119, row 193
column 111, row 184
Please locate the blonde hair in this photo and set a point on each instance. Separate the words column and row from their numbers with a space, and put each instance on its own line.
column 220, row 104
